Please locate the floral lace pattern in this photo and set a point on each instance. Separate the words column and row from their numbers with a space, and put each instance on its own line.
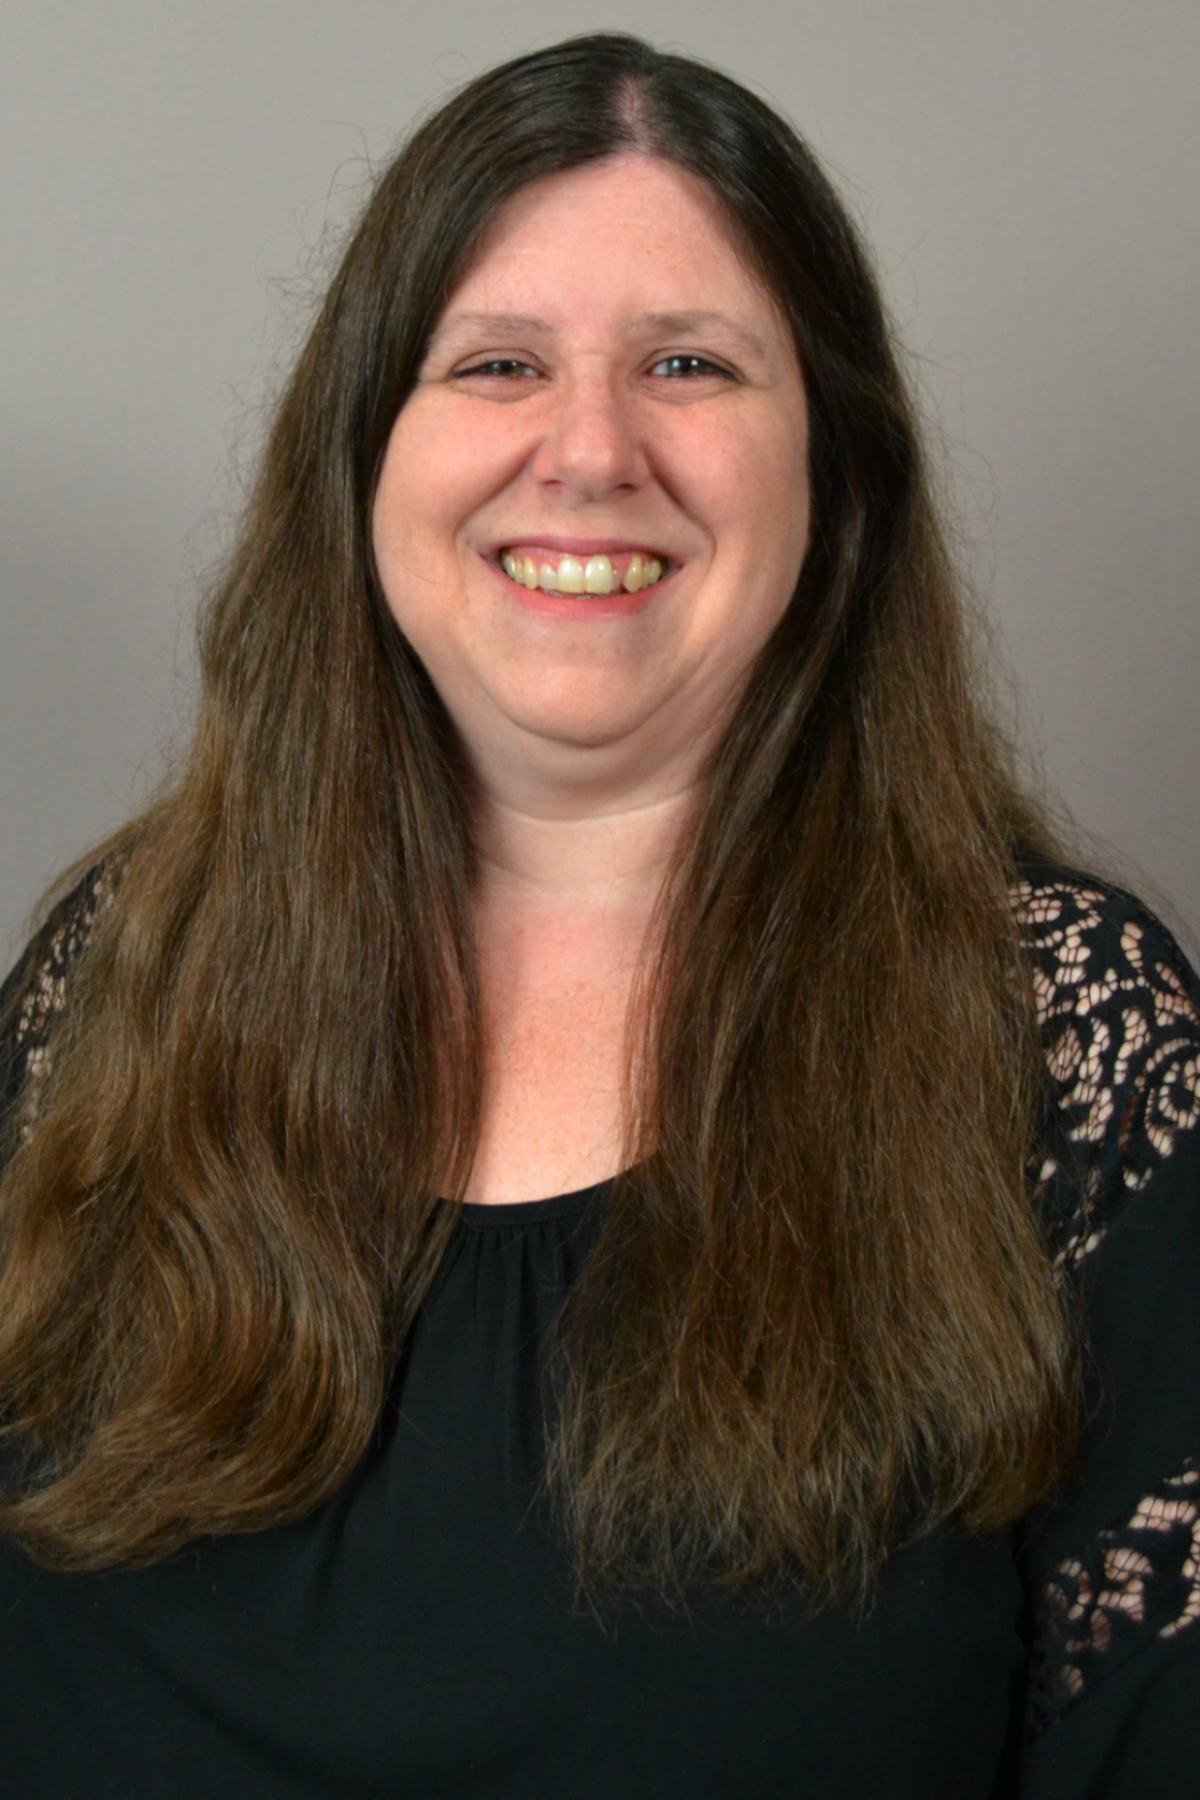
column 1135, row 1585
column 1122, row 1030
column 63, row 941
column 1121, row 1023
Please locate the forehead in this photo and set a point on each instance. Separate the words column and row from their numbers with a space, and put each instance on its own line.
column 630, row 236
column 628, row 189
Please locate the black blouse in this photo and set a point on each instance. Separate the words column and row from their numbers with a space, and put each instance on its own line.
column 419, row 1637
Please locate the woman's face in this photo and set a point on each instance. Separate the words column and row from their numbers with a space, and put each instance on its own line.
column 610, row 401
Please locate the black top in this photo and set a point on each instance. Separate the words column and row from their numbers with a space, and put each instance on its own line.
column 417, row 1636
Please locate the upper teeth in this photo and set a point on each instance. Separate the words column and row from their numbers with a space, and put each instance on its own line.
column 571, row 575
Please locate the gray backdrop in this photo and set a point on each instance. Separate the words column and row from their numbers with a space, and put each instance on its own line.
column 174, row 173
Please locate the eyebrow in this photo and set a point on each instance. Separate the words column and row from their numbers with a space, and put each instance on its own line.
column 682, row 324
column 667, row 324
column 516, row 324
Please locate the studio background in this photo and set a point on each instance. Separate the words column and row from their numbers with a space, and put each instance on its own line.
column 174, row 177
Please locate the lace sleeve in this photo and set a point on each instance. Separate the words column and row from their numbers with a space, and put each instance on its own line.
column 1134, row 1584
column 1120, row 1015
column 1114, row 1566
column 34, row 995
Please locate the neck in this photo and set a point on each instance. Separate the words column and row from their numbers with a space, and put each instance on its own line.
column 579, row 850
column 565, row 858
column 575, row 827
column 565, row 910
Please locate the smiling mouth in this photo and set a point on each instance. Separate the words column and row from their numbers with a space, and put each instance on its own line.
column 624, row 571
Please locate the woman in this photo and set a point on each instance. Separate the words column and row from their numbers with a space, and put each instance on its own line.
column 522, row 1268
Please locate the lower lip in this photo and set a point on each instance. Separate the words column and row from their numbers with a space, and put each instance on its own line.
column 578, row 606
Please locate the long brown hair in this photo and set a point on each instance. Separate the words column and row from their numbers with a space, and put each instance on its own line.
column 819, row 1314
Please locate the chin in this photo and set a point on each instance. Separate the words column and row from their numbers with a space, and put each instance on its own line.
column 578, row 730
column 577, row 722
column 575, row 704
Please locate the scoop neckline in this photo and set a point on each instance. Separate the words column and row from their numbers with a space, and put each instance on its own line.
column 484, row 1215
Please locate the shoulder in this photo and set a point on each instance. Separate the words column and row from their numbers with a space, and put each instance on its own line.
column 1114, row 1563
column 1090, row 941
column 1119, row 1007
column 34, row 994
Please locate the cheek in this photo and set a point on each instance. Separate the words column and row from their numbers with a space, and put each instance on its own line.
column 751, row 491
column 776, row 498
column 407, row 535
column 418, row 485
column 442, row 465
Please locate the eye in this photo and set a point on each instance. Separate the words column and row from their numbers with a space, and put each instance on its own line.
column 684, row 364
column 497, row 366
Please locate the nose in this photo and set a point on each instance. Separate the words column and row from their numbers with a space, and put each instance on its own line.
column 591, row 445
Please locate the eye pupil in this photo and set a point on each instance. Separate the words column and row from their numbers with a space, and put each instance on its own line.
column 498, row 365
column 684, row 363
